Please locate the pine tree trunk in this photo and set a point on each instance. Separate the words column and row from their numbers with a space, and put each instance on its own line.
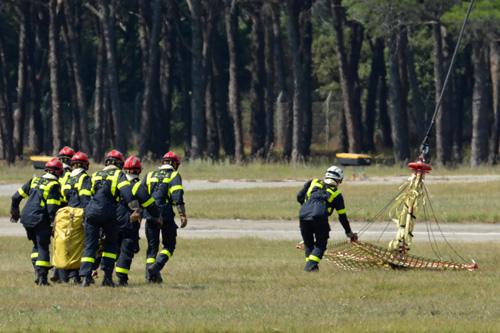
column 479, row 143
column 149, row 81
column 231, row 21
column 270, row 97
column 495, row 82
column 100, row 79
column 306, row 44
column 371, row 99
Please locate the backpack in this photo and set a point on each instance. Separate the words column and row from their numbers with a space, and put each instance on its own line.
column 69, row 237
column 102, row 205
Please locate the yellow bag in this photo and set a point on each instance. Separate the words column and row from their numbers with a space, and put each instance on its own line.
column 69, row 237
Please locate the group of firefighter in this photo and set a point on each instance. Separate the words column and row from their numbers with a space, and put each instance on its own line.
column 109, row 205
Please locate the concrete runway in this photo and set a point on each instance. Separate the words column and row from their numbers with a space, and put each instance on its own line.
column 289, row 230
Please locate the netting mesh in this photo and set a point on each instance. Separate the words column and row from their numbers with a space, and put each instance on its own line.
column 360, row 255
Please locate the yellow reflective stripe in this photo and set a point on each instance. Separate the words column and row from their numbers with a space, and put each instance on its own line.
column 135, row 188
column 22, row 193
column 334, row 195
column 150, row 260
column 315, row 183
column 314, row 258
column 123, row 183
column 88, row 259
column 176, row 188
column 53, row 202
column 85, row 192
column 109, row 255
column 42, row 263
column 330, row 209
column 149, row 180
column 342, row 211
column 34, row 255
column 122, row 270
column 172, row 176
column 165, row 251
column 42, row 204
column 114, row 182
column 147, row 203
column 47, row 189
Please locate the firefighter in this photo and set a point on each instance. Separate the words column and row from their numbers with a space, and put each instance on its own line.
column 318, row 199
column 44, row 199
column 76, row 192
column 165, row 186
column 108, row 186
column 65, row 156
column 129, row 220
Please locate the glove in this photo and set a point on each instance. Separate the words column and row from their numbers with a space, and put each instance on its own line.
column 353, row 236
column 14, row 214
column 158, row 222
column 184, row 221
column 136, row 216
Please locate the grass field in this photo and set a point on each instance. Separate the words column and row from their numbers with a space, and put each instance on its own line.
column 253, row 285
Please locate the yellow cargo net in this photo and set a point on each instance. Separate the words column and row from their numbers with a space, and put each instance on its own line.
column 357, row 255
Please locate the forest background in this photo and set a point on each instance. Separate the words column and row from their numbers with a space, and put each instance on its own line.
column 230, row 80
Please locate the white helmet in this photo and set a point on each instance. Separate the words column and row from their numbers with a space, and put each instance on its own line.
column 334, row 172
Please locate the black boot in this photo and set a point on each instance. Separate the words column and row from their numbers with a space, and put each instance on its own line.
column 42, row 281
column 107, row 281
column 86, row 281
column 75, row 280
column 154, row 273
column 122, row 282
column 37, row 277
column 311, row 266
column 54, row 276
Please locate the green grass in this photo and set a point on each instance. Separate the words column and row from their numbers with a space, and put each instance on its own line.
column 454, row 202
column 253, row 285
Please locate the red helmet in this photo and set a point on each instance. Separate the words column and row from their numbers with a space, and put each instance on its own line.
column 115, row 157
column 66, row 154
column 172, row 159
column 54, row 166
column 133, row 165
column 80, row 160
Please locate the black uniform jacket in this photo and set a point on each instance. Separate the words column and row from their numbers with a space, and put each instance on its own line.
column 123, row 211
column 165, row 186
column 76, row 191
column 108, row 186
column 44, row 199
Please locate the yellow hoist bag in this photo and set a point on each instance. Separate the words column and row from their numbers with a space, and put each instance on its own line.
column 69, row 237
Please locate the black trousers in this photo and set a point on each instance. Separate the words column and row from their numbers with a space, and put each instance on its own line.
column 128, row 242
column 92, row 229
column 40, row 254
column 315, row 235
column 169, row 239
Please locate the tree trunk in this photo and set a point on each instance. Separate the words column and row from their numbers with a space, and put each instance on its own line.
column 198, row 139
column 6, row 121
column 144, row 19
column 100, row 79
column 168, row 51
column 479, row 143
column 257, row 84
column 305, row 47
column 292, row 15
column 22, row 85
column 282, row 105
column 371, row 99
column 77, row 71
column 270, row 97
column 346, row 79
column 147, row 102
column 495, row 82
column 212, row 133
column 403, row 80
column 443, row 117
column 399, row 137
column 231, row 20
column 384, row 121
column 418, row 107
column 57, row 120
column 108, row 30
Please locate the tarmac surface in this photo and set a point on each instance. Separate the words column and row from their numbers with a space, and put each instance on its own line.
column 289, row 230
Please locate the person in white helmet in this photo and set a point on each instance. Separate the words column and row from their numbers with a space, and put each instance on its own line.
column 318, row 199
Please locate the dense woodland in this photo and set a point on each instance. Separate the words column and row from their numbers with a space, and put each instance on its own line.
column 239, row 79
